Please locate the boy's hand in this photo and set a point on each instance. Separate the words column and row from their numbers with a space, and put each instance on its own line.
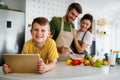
column 6, row 69
column 41, row 67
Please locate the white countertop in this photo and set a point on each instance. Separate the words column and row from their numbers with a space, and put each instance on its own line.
column 65, row 72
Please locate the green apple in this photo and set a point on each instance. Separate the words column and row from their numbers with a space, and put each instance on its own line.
column 97, row 64
column 88, row 57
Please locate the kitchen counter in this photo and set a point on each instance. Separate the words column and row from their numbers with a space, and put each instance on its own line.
column 65, row 72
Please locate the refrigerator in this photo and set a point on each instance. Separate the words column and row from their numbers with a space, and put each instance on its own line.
column 12, row 32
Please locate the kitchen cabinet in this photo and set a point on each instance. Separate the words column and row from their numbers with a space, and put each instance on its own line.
column 13, row 5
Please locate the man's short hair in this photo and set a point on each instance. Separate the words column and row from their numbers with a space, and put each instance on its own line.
column 75, row 6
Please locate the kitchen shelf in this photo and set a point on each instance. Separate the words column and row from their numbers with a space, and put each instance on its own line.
column 101, row 35
column 12, row 10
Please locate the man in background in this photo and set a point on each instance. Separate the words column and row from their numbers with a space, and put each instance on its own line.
column 61, row 30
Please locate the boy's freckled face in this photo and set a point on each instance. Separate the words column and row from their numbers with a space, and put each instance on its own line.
column 39, row 33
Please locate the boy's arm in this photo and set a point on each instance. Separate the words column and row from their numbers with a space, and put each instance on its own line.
column 51, row 64
column 42, row 67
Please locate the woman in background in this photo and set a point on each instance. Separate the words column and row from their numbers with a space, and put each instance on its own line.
column 83, row 37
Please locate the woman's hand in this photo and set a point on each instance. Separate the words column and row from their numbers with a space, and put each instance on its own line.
column 6, row 69
column 41, row 67
column 74, row 33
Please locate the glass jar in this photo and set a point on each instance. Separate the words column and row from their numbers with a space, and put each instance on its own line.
column 112, row 58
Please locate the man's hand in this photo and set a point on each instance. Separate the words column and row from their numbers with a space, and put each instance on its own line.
column 62, row 49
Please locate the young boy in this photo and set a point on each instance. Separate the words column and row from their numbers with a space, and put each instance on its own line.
column 40, row 44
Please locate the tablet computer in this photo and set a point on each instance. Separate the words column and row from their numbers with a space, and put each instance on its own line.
column 22, row 63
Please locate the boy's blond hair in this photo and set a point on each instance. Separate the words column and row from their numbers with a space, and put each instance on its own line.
column 41, row 21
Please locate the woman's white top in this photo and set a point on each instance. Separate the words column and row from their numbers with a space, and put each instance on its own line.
column 88, row 38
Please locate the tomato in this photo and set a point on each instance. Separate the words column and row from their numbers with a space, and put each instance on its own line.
column 76, row 62
column 79, row 62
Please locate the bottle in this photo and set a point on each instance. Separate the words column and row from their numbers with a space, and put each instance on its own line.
column 112, row 58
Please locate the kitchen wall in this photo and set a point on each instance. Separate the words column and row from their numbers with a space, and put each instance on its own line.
column 115, row 35
column 108, row 9
column 48, row 9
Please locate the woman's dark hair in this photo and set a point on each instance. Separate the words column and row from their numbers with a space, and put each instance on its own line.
column 90, row 18
column 75, row 6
